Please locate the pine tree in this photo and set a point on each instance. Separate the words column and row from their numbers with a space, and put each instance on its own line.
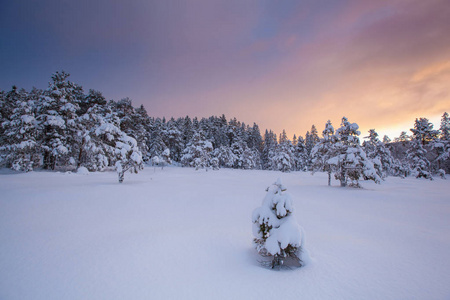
column 284, row 159
column 445, row 127
column 348, row 158
column 386, row 140
column 442, row 145
column 377, row 152
column 224, row 157
column 311, row 139
column 198, row 152
column 403, row 138
column 416, row 156
column 174, row 140
column 117, row 147
column 20, row 131
column 58, row 117
column 300, row 155
column 128, row 156
column 323, row 151
column 275, row 229
column 269, row 151
column 423, row 131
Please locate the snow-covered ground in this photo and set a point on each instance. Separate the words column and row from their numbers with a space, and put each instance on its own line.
column 178, row 233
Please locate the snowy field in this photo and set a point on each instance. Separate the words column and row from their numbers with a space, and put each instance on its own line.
column 178, row 233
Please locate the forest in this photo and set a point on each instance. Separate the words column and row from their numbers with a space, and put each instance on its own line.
column 64, row 128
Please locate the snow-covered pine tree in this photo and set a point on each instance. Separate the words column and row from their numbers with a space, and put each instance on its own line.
column 311, row 139
column 141, row 124
column 377, row 152
column 323, row 151
column 57, row 113
column 300, row 155
column 224, row 156
column 349, row 159
column 174, row 140
column 276, row 230
column 284, row 159
column 418, row 161
column 445, row 127
column 269, row 150
column 423, row 131
column 91, row 149
column 120, row 149
column 442, row 146
column 94, row 97
column 20, row 131
column 156, row 144
column 198, row 152
column 442, row 150
column 128, row 156
column 403, row 138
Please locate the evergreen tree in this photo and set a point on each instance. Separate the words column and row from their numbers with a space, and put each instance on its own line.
column 377, row 152
column 348, row 158
column 423, row 131
column 120, row 149
column 275, row 229
column 284, row 155
column 269, row 151
column 20, row 131
column 403, row 138
column 224, row 157
column 157, row 135
column 300, row 155
column 198, row 152
column 323, row 151
column 57, row 115
column 174, row 140
column 442, row 145
column 311, row 139
column 416, row 156
column 445, row 127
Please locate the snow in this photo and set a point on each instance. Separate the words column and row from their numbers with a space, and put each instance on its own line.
column 82, row 171
column 178, row 233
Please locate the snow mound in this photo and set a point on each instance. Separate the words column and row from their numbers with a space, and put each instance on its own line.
column 82, row 171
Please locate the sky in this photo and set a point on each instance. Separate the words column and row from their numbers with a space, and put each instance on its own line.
column 282, row 64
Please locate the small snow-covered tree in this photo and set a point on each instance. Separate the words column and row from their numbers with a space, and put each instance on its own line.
column 276, row 230
column 128, row 156
column 118, row 148
column 162, row 160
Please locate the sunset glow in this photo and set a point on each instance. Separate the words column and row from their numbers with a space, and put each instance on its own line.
column 282, row 64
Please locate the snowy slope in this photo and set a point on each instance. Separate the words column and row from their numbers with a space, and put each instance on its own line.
column 178, row 233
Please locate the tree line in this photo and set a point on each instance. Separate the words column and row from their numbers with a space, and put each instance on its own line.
column 64, row 128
